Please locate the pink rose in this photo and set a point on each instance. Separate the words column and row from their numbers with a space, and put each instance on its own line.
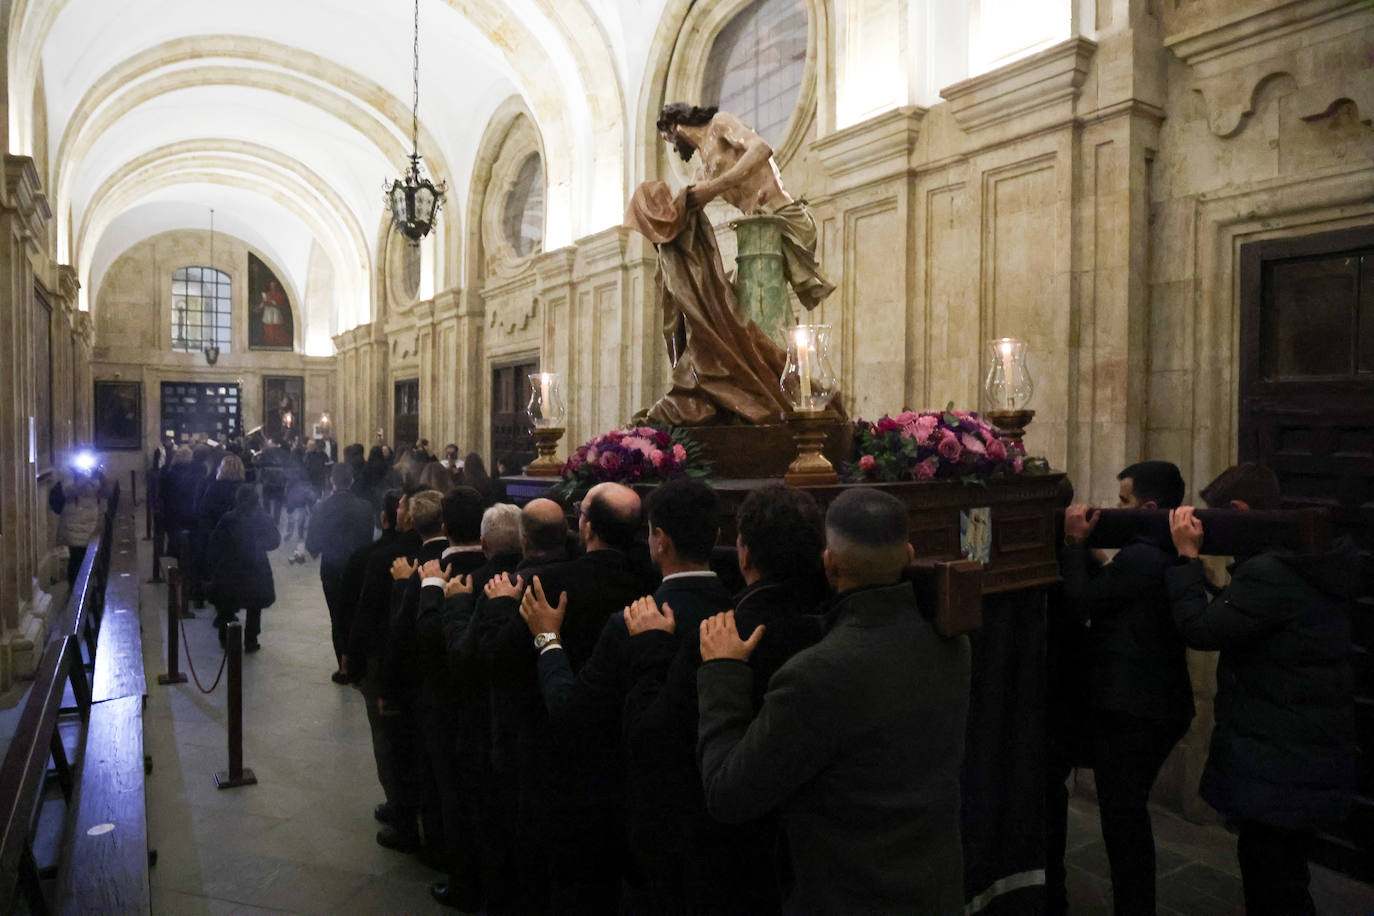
column 949, row 447
column 887, row 425
column 868, row 464
column 924, row 428
column 656, row 457
column 996, row 450
column 973, row 444
column 925, row 469
column 679, row 453
column 1016, row 464
column 593, row 455
column 610, row 461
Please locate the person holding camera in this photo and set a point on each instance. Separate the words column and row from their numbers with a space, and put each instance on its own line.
column 79, row 502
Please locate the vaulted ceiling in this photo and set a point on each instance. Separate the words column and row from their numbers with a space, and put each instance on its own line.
column 287, row 116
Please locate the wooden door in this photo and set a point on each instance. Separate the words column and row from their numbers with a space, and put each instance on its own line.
column 405, row 417
column 1307, row 411
column 511, row 445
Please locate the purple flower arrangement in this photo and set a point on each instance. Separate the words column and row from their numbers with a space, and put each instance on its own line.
column 932, row 445
column 635, row 454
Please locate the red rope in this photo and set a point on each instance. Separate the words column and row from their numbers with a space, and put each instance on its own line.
column 192, row 665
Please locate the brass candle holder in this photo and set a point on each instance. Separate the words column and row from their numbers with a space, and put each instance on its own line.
column 546, row 441
column 810, row 468
column 1011, row 424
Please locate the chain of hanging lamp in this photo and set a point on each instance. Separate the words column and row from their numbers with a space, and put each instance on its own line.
column 414, row 199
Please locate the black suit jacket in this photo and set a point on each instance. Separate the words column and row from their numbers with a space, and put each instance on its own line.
column 560, row 769
column 400, row 679
column 371, row 614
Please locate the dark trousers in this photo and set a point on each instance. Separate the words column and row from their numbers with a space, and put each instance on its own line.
column 585, row 873
column 438, row 726
column 1057, row 769
column 224, row 615
column 340, row 621
column 1273, row 869
column 381, row 736
column 1127, row 754
column 76, row 555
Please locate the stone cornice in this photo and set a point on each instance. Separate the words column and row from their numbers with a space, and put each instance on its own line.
column 604, row 251
column 1049, row 79
column 1201, row 45
column 448, row 304
column 24, row 195
column 882, row 144
column 555, row 267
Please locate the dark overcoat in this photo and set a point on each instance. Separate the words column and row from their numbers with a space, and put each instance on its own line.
column 240, row 575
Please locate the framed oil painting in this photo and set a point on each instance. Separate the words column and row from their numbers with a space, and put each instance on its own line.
column 118, row 415
column 283, row 407
column 270, row 325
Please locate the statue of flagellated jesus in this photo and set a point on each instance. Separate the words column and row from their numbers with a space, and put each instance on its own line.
column 725, row 369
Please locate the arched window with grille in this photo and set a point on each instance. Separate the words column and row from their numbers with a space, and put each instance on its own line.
column 200, row 309
column 756, row 66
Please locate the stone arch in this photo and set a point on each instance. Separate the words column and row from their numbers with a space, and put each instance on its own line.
column 258, row 176
column 104, row 105
column 586, row 189
column 509, row 116
column 677, row 61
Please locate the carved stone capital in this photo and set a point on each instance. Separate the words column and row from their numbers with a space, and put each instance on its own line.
column 1044, row 84
column 24, row 195
column 67, row 283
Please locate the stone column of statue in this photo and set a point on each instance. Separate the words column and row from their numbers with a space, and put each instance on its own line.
column 725, row 367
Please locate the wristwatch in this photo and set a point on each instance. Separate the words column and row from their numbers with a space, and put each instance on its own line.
column 544, row 639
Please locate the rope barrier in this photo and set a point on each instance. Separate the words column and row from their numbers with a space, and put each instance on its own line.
column 190, row 662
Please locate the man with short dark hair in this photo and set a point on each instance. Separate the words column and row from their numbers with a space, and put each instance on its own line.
column 1139, row 695
column 1283, row 752
column 722, row 867
column 339, row 526
column 860, row 739
column 682, row 532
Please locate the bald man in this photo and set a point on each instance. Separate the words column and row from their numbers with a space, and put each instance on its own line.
column 860, row 739
column 571, row 781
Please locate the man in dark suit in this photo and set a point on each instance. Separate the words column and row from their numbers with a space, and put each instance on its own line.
column 399, row 700
column 1140, row 699
column 338, row 527
column 572, row 783
column 474, row 630
column 437, row 692
column 725, row 868
column 368, row 578
column 860, row 740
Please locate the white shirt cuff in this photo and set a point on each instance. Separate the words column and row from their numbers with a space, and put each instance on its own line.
column 551, row 646
column 432, row 580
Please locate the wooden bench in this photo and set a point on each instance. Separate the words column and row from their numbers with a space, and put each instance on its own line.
column 25, row 773
column 104, row 863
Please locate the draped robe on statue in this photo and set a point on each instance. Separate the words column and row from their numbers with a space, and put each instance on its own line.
column 723, row 368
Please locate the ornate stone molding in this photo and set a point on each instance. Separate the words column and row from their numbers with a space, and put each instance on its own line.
column 1046, row 82
column 1234, row 61
column 511, row 314
column 67, row 284
column 602, row 252
column 24, row 195
column 1264, row 26
column 554, row 268
column 871, row 149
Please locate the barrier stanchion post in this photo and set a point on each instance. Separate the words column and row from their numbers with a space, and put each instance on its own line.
column 158, row 540
column 173, row 675
column 237, row 774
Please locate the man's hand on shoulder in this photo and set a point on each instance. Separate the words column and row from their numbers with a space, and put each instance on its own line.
column 541, row 616
column 643, row 615
column 402, row 568
column 458, row 585
column 720, row 639
column 502, row 585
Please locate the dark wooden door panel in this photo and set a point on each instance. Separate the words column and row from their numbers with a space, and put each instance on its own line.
column 511, row 445
column 1307, row 411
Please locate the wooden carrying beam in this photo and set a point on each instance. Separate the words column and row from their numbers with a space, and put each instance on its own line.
column 1225, row 532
